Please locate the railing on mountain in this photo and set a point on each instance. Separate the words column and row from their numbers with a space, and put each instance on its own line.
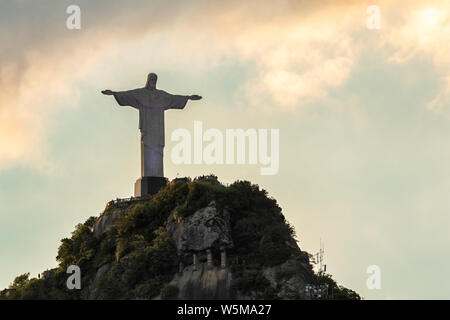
column 125, row 201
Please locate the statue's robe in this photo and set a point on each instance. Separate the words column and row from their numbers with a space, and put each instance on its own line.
column 151, row 104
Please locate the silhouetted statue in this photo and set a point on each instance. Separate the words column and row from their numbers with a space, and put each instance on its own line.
column 151, row 103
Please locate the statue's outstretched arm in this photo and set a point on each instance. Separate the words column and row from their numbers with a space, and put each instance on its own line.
column 194, row 97
column 108, row 92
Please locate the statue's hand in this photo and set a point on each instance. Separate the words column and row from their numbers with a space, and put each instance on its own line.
column 108, row 92
column 194, row 97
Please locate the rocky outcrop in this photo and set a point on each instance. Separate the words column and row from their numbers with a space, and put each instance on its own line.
column 207, row 228
column 202, row 240
column 113, row 211
column 94, row 292
column 203, row 282
column 290, row 278
column 194, row 240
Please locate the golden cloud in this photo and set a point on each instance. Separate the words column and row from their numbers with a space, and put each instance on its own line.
column 298, row 51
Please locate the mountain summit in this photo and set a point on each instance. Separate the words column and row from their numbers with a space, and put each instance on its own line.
column 194, row 239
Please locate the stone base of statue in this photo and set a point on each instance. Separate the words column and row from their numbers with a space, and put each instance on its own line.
column 147, row 186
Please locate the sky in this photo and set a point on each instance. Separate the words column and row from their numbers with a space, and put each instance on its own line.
column 363, row 117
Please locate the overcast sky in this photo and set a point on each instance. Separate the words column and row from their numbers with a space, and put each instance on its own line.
column 363, row 117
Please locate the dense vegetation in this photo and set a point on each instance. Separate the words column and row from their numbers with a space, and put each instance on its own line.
column 143, row 257
column 336, row 292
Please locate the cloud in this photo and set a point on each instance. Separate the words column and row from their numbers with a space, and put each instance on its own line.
column 420, row 31
column 297, row 52
column 42, row 60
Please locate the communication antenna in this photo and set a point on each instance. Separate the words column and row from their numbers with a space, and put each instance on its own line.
column 317, row 258
column 322, row 267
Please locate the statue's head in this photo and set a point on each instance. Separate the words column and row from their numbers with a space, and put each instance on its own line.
column 151, row 81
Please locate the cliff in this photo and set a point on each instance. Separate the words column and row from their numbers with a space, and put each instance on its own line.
column 193, row 240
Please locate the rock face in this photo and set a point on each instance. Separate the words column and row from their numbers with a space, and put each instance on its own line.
column 290, row 278
column 202, row 240
column 206, row 229
column 203, row 282
column 93, row 291
column 106, row 221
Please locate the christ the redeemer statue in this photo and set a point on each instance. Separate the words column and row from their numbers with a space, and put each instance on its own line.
column 151, row 103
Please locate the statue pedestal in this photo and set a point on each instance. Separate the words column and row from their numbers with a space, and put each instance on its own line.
column 146, row 186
